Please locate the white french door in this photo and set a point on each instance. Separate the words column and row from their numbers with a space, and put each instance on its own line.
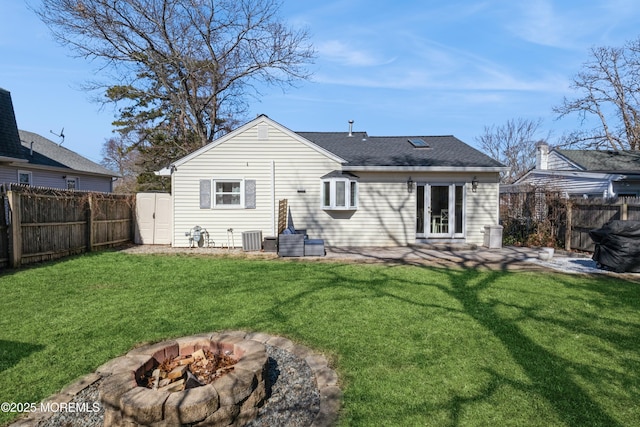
column 440, row 210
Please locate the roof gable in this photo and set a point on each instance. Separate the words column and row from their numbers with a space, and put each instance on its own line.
column 9, row 140
column 255, row 122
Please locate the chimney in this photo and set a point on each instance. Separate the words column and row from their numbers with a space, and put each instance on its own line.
column 542, row 155
column 350, row 127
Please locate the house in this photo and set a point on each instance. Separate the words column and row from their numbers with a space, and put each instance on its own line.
column 348, row 188
column 582, row 173
column 31, row 159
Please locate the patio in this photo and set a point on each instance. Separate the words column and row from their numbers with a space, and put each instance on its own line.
column 506, row 258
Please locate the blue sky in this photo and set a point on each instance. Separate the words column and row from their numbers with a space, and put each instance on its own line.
column 395, row 67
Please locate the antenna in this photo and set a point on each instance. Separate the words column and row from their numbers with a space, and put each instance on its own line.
column 61, row 135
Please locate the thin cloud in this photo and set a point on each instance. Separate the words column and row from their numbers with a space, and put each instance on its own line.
column 555, row 24
column 435, row 66
column 342, row 53
column 489, row 80
column 538, row 22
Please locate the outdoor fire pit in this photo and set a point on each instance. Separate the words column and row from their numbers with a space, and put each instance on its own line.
column 211, row 379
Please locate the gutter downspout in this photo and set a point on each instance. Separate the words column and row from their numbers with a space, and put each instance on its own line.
column 609, row 192
column 273, row 197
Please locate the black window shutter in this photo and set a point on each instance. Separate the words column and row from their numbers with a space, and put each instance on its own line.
column 250, row 194
column 205, row 194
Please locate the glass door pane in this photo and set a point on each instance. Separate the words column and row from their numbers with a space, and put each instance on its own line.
column 420, row 209
column 459, row 201
column 439, row 209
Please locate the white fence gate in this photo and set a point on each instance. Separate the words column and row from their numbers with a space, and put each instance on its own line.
column 154, row 218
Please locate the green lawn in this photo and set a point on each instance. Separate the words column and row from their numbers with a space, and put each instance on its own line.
column 412, row 345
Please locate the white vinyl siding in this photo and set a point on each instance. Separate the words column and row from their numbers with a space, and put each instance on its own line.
column 380, row 220
column 386, row 214
column 354, row 193
column 482, row 209
column 556, row 162
column 572, row 185
column 283, row 167
column 279, row 167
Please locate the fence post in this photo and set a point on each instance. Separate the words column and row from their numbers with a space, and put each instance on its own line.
column 567, row 232
column 90, row 212
column 15, row 230
column 624, row 210
column 133, row 224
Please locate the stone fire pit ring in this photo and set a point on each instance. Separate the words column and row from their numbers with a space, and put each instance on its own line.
column 233, row 398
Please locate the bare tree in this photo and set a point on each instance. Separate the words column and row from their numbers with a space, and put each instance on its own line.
column 121, row 157
column 609, row 87
column 513, row 144
column 188, row 65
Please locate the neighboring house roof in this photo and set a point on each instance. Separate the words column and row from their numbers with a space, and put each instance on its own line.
column 48, row 153
column 362, row 151
column 582, row 172
column 9, row 141
column 603, row 161
column 383, row 153
column 32, row 150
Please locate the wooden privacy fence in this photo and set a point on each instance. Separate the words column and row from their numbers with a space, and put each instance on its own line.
column 566, row 222
column 588, row 214
column 42, row 224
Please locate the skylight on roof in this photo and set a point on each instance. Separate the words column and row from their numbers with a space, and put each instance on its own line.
column 418, row 143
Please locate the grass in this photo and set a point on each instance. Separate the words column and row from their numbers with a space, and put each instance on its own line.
column 412, row 345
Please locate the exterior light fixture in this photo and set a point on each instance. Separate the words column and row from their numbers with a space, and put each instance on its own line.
column 410, row 185
column 474, row 184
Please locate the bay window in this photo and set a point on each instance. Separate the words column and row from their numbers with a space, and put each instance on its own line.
column 339, row 193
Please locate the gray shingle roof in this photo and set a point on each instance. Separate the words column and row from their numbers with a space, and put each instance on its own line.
column 16, row 144
column 362, row 150
column 604, row 161
column 48, row 153
column 9, row 140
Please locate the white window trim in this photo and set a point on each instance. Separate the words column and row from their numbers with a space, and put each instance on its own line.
column 29, row 174
column 214, row 193
column 332, row 194
column 452, row 212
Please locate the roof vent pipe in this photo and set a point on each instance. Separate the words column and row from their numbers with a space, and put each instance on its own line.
column 31, row 149
column 350, row 127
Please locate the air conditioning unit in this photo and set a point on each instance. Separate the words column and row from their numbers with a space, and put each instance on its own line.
column 252, row 240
